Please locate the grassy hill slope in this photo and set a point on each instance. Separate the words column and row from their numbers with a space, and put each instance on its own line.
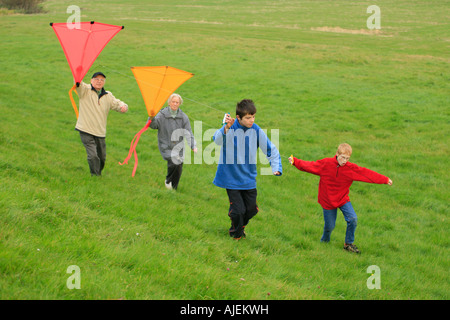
column 317, row 75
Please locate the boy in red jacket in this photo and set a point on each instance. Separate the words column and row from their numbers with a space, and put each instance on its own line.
column 336, row 177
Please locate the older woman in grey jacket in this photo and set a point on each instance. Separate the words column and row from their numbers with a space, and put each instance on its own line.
column 173, row 124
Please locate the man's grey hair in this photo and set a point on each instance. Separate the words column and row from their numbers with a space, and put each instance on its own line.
column 175, row 95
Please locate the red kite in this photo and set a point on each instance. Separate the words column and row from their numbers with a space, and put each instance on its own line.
column 156, row 85
column 82, row 45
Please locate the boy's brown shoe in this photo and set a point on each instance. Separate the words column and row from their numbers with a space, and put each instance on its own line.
column 351, row 247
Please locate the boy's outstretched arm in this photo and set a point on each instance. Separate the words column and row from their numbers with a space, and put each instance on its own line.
column 366, row 175
column 314, row 167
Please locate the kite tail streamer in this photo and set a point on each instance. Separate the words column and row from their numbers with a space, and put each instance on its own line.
column 133, row 145
column 74, row 105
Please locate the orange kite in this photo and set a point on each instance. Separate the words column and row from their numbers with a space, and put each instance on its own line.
column 156, row 85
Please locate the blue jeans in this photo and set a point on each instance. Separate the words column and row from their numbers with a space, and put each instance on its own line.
column 329, row 217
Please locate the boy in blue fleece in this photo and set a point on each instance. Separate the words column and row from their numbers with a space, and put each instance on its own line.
column 236, row 171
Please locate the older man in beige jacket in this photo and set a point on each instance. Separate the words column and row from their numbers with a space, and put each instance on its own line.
column 95, row 104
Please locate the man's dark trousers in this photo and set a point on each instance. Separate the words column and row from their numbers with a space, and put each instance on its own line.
column 96, row 152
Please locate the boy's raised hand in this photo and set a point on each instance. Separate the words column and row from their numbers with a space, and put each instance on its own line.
column 291, row 159
column 229, row 122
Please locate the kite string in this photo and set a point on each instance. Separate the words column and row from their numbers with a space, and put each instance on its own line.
column 194, row 101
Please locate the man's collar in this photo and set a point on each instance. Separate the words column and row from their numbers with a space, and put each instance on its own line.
column 102, row 92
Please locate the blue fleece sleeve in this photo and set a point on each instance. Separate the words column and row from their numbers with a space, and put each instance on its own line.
column 271, row 152
column 218, row 136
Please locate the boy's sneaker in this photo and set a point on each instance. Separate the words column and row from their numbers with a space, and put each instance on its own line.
column 242, row 236
column 351, row 247
column 168, row 185
column 232, row 233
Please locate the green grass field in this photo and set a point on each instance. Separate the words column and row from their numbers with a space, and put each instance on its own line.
column 316, row 73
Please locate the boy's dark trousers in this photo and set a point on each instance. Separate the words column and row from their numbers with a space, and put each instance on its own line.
column 174, row 173
column 243, row 207
column 96, row 152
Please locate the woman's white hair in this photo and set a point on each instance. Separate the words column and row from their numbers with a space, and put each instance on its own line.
column 173, row 95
